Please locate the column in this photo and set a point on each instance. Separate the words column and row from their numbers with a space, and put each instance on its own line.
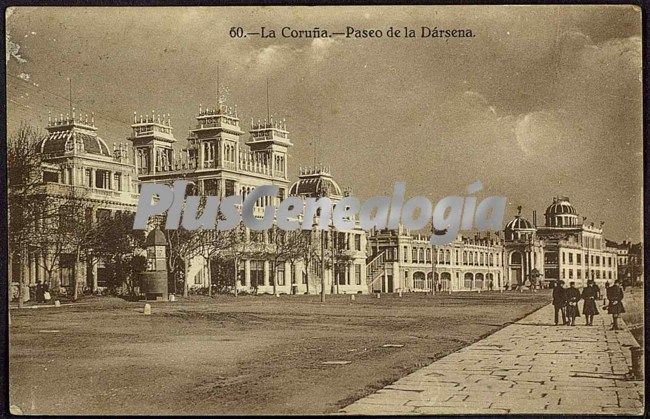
column 397, row 278
column 288, row 279
column 92, row 178
column 94, row 284
column 41, row 266
column 266, row 272
column 247, row 273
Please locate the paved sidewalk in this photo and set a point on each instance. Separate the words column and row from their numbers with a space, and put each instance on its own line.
column 531, row 366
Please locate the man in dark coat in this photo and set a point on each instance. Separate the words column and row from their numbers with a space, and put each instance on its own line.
column 572, row 298
column 559, row 301
column 590, row 294
column 615, row 307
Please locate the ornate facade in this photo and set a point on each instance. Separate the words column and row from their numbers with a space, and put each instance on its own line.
column 220, row 159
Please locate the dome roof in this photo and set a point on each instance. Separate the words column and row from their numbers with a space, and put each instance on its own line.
column 519, row 223
column 315, row 186
column 156, row 238
column 560, row 206
column 59, row 142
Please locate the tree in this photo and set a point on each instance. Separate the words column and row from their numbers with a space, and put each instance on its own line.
column 78, row 226
column 216, row 247
column 182, row 245
column 26, row 206
column 118, row 246
column 51, row 242
column 340, row 258
column 283, row 246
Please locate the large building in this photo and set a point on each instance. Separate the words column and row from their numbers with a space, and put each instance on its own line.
column 402, row 261
column 81, row 168
column 564, row 248
column 220, row 159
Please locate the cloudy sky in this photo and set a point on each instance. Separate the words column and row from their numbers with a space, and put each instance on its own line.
column 543, row 101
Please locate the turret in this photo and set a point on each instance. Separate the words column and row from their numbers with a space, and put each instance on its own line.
column 152, row 137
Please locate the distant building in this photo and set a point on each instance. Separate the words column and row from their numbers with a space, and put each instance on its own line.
column 562, row 249
column 403, row 261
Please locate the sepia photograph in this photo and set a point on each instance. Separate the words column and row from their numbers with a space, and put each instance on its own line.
column 325, row 210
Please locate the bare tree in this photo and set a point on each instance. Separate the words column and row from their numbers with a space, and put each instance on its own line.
column 79, row 227
column 26, row 205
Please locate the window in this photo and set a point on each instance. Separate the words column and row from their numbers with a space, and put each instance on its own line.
column 230, row 187
column 570, row 258
column 117, row 181
column 357, row 274
column 103, row 214
column 579, row 274
column 406, row 254
column 88, row 181
column 563, row 257
column 198, row 278
column 279, row 274
column 257, row 273
column 50, row 177
column 102, row 179
column 570, row 273
column 579, row 259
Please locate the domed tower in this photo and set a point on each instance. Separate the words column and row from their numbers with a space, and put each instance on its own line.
column 524, row 251
column 72, row 135
column 561, row 214
column 316, row 182
column 519, row 228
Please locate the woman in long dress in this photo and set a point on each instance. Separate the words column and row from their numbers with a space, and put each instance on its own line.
column 590, row 294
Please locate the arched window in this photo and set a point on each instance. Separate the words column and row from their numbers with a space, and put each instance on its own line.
column 515, row 258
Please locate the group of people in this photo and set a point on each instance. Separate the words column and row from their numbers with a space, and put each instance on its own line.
column 42, row 292
column 565, row 301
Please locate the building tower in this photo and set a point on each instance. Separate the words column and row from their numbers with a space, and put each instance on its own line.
column 270, row 143
column 152, row 140
column 214, row 143
column 523, row 251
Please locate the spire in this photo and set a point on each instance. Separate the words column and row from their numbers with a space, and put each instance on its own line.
column 219, row 101
column 70, row 94
column 268, row 109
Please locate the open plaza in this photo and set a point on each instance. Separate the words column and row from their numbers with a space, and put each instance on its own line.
column 250, row 354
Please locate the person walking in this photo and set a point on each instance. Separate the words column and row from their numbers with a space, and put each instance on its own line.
column 615, row 307
column 39, row 292
column 572, row 298
column 606, row 296
column 590, row 294
column 559, row 302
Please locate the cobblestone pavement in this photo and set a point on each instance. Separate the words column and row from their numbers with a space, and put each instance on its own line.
column 531, row 366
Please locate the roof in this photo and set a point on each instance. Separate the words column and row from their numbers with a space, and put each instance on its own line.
column 560, row 206
column 156, row 238
column 315, row 186
column 61, row 141
column 519, row 223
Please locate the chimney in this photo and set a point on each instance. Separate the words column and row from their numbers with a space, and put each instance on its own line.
column 534, row 218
